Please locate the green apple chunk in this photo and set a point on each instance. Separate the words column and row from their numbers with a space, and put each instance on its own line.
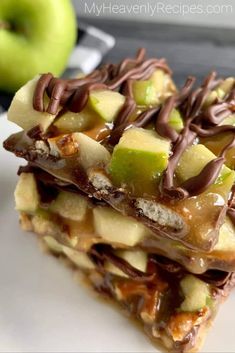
column 22, row 113
column 230, row 120
column 176, row 120
column 106, row 103
column 145, row 93
column 70, row 205
column 139, row 160
column 35, row 37
column 138, row 259
column 226, row 240
column 91, row 152
column 196, row 293
column 116, row 228
column 154, row 90
column 79, row 258
column 26, row 194
column 193, row 160
column 76, row 122
column 220, row 91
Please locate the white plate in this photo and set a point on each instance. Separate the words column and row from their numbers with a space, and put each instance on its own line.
column 42, row 308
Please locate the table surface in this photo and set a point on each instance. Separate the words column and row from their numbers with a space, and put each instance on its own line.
column 189, row 50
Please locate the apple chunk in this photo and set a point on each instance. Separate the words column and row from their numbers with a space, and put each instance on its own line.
column 136, row 258
column 196, row 293
column 35, row 37
column 193, row 160
column 70, row 205
column 79, row 258
column 26, row 194
column 106, row 103
column 154, row 90
column 116, row 228
column 76, row 122
column 139, row 160
column 22, row 113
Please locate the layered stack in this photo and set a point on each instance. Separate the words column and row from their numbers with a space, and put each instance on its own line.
column 133, row 181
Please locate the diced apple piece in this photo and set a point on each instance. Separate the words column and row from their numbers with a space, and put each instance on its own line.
column 44, row 225
column 226, row 240
column 79, row 258
column 225, row 87
column 139, row 159
column 193, row 160
column 26, row 194
column 176, row 121
column 220, row 91
column 196, row 292
column 116, row 228
column 70, row 205
column 230, row 120
column 216, row 143
column 154, row 90
column 145, row 93
column 22, row 113
column 76, row 122
column 53, row 245
column 136, row 258
column 106, row 103
column 91, row 152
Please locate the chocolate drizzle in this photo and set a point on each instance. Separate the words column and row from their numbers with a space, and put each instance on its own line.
column 101, row 253
column 200, row 120
column 74, row 93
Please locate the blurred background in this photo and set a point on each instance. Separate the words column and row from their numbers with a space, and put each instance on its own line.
column 194, row 36
column 218, row 13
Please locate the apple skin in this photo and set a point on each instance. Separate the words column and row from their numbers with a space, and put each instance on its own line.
column 35, row 37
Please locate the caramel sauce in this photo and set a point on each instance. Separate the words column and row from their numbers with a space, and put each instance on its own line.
column 217, row 143
column 98, row 132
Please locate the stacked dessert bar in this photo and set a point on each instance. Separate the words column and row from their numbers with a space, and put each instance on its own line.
column 132, row 180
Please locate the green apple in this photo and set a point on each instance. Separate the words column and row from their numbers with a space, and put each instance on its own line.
column 106, row 103
column 22, row 113
column 113, row 227
column 79, row 258
column 154, row 90
column 196, row 293
column 136, row 258
column 35, row 37
column 145, row 93
column 139, row 160
column 76, row 122
column 193, row 160
column 70, row 205
column 230, row 120
column 176, row 120
column 26, row 193
column 220, row 91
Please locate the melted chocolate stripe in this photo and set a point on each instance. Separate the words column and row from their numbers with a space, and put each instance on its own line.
column 162, row 126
